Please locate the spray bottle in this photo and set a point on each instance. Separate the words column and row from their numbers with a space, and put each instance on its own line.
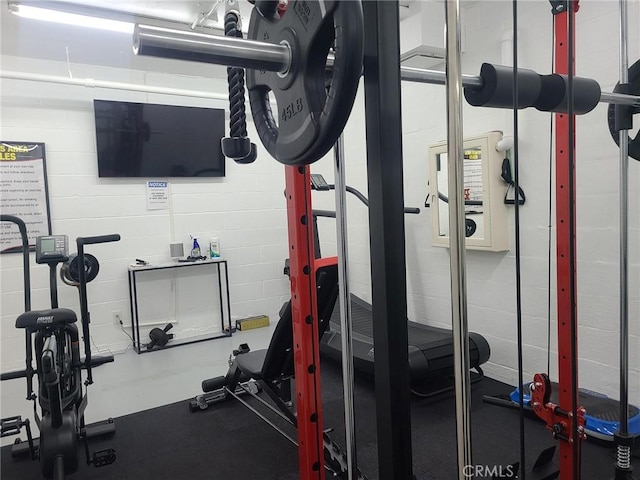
column 195, row 249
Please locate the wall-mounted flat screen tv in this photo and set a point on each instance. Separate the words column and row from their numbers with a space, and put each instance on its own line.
column 150, row 140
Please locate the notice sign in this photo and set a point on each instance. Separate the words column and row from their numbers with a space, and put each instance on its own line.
column 23, row 193
column 157, row 195
column 473, row 178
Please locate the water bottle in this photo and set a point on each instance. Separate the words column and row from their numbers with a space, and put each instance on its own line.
column 214, row 248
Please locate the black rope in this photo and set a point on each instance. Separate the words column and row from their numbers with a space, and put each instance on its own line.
column 235, row 78
column 516, row 183
column 572, row 251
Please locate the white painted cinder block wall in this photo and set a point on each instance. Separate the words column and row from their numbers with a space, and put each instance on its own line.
column 62, row 116
column 245, row 210
column 491, row 276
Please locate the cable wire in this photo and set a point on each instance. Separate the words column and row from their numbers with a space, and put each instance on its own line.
column 572, row 244
column 550, row 216
column 108, row 349
column 516, row 184
column 125, row 332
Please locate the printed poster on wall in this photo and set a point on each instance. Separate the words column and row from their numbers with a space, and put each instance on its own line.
column 157, row 195
column 473, row 186
column 23, row 193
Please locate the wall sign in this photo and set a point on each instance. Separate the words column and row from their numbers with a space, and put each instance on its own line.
column 23, row 193
column 157, row 195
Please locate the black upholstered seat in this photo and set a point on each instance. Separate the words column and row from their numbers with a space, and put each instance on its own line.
column 251, row 363
column 39, row 319
column 277, row 360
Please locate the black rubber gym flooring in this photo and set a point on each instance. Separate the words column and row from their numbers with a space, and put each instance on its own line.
column 227, row 441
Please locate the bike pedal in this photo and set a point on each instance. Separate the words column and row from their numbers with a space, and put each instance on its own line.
column 11, row 426
column 102, row 458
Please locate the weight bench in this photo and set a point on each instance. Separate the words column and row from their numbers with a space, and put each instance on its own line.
column 272, row 370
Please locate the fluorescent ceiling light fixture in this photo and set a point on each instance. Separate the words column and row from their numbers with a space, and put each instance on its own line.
column 66, row 18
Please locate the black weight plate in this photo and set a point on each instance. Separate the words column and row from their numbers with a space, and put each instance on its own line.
column 634, row 143
column 91, row 268
column 310, row 115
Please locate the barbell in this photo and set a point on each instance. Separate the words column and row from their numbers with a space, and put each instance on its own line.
column 310, row 59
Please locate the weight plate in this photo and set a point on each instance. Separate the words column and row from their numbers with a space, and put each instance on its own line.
column 310, row 115
column 72, row 270
column 634, row 81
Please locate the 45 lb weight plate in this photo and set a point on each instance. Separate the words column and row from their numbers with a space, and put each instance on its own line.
column 312, row 106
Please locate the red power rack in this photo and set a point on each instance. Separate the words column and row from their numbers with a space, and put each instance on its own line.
column 560, row 418
column 305, row 326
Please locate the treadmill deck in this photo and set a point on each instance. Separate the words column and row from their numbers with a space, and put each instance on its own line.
column 430, row 348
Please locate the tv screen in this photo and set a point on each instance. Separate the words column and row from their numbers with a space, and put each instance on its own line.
column 149, row 140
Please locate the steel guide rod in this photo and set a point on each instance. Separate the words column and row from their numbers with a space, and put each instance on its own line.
column 624, row 226
column 345, row 309
column 624, row 232
column 623, row 457
column 457, row 244
column 245, row 53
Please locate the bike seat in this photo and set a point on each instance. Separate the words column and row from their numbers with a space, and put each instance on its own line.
column 40, row 319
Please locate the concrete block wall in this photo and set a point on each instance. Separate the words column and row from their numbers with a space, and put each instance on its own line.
column 491, row 276
column 252, row 196
column 245, row 209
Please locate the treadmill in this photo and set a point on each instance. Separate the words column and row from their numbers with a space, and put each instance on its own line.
column 430, row 348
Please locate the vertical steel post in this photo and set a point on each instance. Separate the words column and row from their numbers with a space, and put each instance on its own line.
column 345, row 309
column 304, row 308
column 570, row 457
column 624, row 233
column 386, row 227
column 623, row 448
column 457, row 245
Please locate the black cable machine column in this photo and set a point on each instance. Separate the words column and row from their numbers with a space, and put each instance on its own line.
column 386, row 227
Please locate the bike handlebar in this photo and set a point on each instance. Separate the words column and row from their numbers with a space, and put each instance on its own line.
column 99, row 239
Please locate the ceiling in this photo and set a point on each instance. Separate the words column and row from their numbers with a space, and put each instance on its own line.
column 174, row 11
column 25, row 38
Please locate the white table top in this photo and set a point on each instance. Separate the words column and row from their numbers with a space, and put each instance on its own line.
column 173, row 264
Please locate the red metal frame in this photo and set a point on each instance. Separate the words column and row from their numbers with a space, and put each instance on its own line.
column 305, row 326
column 559, row 418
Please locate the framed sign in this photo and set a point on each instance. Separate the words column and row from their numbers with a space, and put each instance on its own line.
column 23, row 193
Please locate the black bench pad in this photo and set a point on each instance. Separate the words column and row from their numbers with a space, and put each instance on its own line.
column 251, row 363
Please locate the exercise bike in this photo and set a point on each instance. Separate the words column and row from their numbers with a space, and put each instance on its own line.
column 52, row 337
